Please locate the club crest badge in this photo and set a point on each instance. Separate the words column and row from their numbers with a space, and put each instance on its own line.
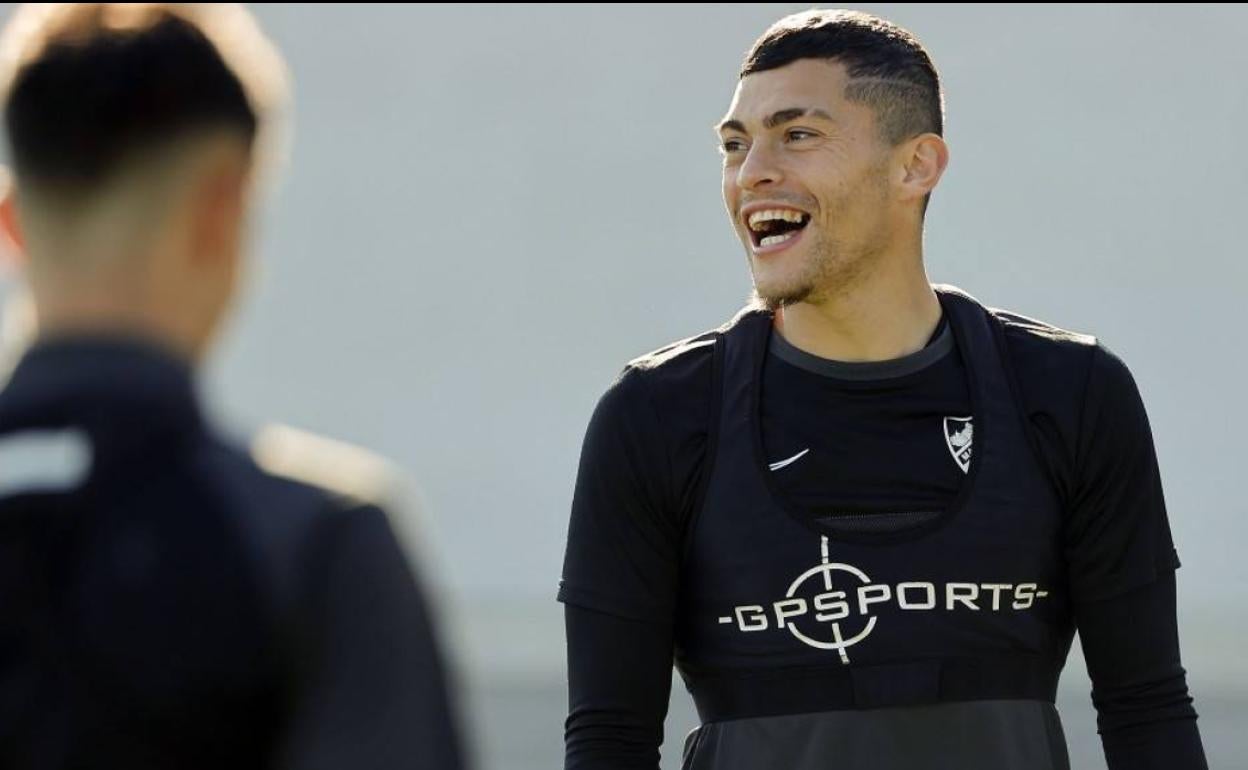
column 958, row 435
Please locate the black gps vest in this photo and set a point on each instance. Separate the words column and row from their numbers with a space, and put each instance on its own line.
column 887, row 639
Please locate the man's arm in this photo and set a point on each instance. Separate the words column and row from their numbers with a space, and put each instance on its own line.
column 372, row 690
column 1144, row 713
column 619, row 684
column 1122, row 561
column 619, row 585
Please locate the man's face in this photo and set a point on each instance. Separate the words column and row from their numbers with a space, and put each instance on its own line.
column 805, row 181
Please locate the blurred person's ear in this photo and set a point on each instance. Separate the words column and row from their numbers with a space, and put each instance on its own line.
column 12, row 248
column 218, row 211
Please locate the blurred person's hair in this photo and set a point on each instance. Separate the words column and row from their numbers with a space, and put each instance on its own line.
column 889, row 69
column 90, row 88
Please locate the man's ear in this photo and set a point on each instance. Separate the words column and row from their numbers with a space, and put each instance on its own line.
column 12, row 244
column 218, row 214
column 924, row 159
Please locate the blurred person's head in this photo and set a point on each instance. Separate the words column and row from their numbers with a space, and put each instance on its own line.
column 832, row 146
column 135, row 133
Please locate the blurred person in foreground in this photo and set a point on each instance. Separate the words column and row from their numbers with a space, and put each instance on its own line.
column 171, row 601
column 866, row 516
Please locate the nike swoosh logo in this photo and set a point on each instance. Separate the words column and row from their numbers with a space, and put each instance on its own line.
column 786, row 463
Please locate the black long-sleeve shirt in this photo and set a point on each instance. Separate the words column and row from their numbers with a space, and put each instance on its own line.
column 172, row 601
column 853, row 437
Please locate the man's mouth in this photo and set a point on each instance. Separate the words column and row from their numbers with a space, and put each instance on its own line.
column 773, row 226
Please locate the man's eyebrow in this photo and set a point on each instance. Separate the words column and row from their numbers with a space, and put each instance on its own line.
column 779, row 117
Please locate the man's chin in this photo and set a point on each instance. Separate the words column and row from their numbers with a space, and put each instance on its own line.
column 780, row 282
column 773, row 297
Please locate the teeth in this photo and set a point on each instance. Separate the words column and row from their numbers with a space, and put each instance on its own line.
column 788, row 215
column 772, row 240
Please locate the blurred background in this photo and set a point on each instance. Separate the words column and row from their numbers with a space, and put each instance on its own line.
column 487, row 210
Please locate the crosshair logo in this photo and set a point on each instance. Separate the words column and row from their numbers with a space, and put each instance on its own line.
column 833, row 603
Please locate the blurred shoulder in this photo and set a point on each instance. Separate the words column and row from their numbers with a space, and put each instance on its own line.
column 346, row 475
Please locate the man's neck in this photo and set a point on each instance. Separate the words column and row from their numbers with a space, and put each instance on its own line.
column 877, row 320
column 98, row 316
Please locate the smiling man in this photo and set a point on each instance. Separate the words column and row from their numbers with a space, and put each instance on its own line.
column 866, row 516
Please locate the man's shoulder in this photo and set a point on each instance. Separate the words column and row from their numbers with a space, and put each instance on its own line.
column 299, row 501
column 671, row 384
column 288, row 488
column 674, row 359
column 342, row 475
column 286, row 477
column 677, row 373
column 1053, row 364
column 1041, row 348
column 686, row 361
column 1031, row 334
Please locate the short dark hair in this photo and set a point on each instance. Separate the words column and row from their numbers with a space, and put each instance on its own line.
column 91, row 85
column 889, row 69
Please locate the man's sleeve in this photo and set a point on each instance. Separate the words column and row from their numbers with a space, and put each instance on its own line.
column 372, row 689
column 1117, row 535
column 619, row 684
column 619, row 585
column 1121, row 563
column 623, row 539
column 1143, row 710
